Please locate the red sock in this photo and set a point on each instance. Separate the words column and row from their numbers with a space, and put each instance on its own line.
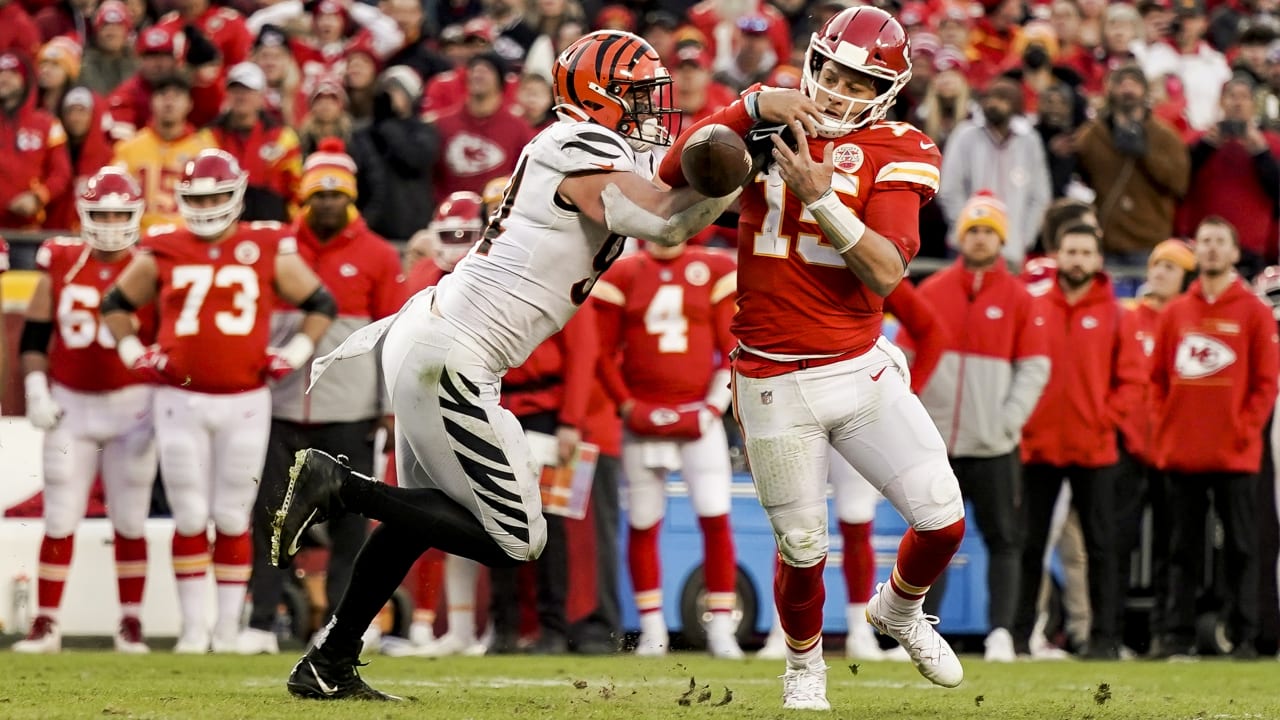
column 859, row 561
column 232, row 558
column 719, row 565
column 55, row 561
column 646, row 568
column 799, row 596
column 190, row 555
column 131, row 572
column 428, row 579
column 922, row 557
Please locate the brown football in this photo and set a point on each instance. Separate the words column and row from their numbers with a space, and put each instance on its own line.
column 715, row 161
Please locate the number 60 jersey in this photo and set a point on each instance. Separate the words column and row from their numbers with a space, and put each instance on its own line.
column 215, row 302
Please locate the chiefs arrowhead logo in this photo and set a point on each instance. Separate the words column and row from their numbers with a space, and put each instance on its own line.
column 469, row 154
column 1200, row 356
column 662, row 417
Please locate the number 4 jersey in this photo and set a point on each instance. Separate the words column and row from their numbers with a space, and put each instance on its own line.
column 540, row 256
column 82, row 354
column 214, row 304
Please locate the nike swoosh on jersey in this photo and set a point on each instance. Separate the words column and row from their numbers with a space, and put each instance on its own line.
column 604, row 166
column 926, row 145
column 875, row 377
column 293, row 546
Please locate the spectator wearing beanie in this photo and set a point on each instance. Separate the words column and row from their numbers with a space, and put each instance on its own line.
column 482, row 139
column 986, row 385
column 266, row 149
column 89, row 148
column 1003, row 152
column 396, row 155
column 1071, row 435
column 32, row 152
column 1235, row 174
column 1138, row 483
column 57, row 69
column 363, row 271
column 109, row 58
column 1213, row 388
column 1137, row 164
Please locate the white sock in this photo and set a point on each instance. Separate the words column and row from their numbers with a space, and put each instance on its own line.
column 652, row 623
column 230, row 607
column 856, row 616
column 191, row 591
column 51, row 613
column 460, row 576
column 806, row 658
column 721, row 624
column 132, row 610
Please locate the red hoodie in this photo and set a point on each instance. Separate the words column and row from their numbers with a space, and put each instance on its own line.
column 33, row 156
column 18, row 32
column 1096, row 378
column 1213, row 381
column 1140, row 325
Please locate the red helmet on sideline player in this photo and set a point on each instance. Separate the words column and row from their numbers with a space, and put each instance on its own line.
column 867, row 40
column 110, row 190
column 456, row 227
column 212, row 172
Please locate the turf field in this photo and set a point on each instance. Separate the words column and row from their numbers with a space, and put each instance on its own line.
column 87, row 684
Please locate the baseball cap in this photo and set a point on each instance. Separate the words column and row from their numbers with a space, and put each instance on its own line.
column 693, row 54
column 156, row 40
column 111, row 12
column 271, row 36
column 331, row 88
column 479, row 28
column 247, row 75
column 78, row 97
column 10, row 61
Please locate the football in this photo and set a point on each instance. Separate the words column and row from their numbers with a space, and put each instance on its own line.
column 715, row 161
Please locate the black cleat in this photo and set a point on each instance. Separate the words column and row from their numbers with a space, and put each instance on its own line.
column 314, row 482
column 317, row 678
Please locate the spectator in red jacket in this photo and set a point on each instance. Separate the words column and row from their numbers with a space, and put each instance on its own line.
column 988, row 381
column 18, row 32
column 993, row 39
column 89, row 146
column 33, row 150
column 223, row 26
column 1213, row 388
column 160, row 57
column 1169, row 271
column 1097, row 373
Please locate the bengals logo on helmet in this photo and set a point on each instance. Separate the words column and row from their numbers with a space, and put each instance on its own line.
column 617, row 80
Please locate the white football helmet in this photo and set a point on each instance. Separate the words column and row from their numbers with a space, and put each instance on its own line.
column 456, row 228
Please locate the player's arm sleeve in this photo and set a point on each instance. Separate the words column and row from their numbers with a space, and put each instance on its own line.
column 1264, row 365
column 582, row 349
column 927, row 336
column 1031, row 367
column 608, row 301
column 734, row 115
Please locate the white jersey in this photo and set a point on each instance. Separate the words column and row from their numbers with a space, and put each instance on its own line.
column 540, row 256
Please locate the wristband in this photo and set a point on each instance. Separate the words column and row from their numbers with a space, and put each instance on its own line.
column 36, row 384
column 130, row 349
column 297, row 351
column 752, row 101
column 843, row 229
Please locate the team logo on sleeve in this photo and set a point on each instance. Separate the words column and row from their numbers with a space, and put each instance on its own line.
column 1200, row 356
column 247, row 253
column 847, row 158
column 697, row 273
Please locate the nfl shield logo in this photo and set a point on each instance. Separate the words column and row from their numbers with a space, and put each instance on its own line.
column 766, row 397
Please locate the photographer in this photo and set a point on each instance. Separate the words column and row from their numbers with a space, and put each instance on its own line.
column 1136, row 163
column 1234, row 174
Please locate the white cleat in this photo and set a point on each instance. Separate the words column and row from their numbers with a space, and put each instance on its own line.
column 653, row 644
column 193, row 642
column 129, row 639
column 226, row 640
column 775, row 646
column 929, row 651
column 44, row 638
column 452, row 644
column 722, row 643
column 861, row 644
column 999, row 647
column 421, row 634
column 805, row 688
column 257, row 642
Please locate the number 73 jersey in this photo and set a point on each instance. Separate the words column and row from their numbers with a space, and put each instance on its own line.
column 214, row 304
column 796, row 295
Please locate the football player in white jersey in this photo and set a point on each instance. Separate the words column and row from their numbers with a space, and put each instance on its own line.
column 467, row 483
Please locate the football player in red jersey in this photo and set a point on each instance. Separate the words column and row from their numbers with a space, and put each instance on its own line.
column 95, row 413
column 826, row 231
column 215, row 283
column 664, row 322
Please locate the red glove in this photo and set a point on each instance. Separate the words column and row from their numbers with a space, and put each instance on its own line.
column 151, row 365
column 663, row 421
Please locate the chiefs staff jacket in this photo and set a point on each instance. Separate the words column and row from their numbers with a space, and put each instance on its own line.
column 363, row 273
column 1213, row 381
column 1096, row 377
column 996, row 365
column 1136, row 426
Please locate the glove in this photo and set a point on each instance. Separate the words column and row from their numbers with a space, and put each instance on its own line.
column 147, row 362
column 42, row 410
column 663, row 421
column 284, row 360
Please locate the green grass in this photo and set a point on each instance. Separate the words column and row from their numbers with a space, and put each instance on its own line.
column 88, row 684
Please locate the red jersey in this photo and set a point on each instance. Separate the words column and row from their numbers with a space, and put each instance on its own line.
column 215, row 302
column 475, row 150
column 664, row 325
column 796, row 297
column 82, row 354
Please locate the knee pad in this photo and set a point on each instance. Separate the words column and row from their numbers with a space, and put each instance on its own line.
column 801, row 534
column 927, row 495
column 646, row 499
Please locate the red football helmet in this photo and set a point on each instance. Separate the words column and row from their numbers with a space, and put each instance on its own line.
column 211, row 173
column 867, row 40
column 1267, row 286
column 616, row 79
column 456, row 228
column 110, row 190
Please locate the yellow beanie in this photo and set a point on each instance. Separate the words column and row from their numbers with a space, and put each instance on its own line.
column 328, row 168
column 64, row 52
column 983, row 210
column 1176, row 252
